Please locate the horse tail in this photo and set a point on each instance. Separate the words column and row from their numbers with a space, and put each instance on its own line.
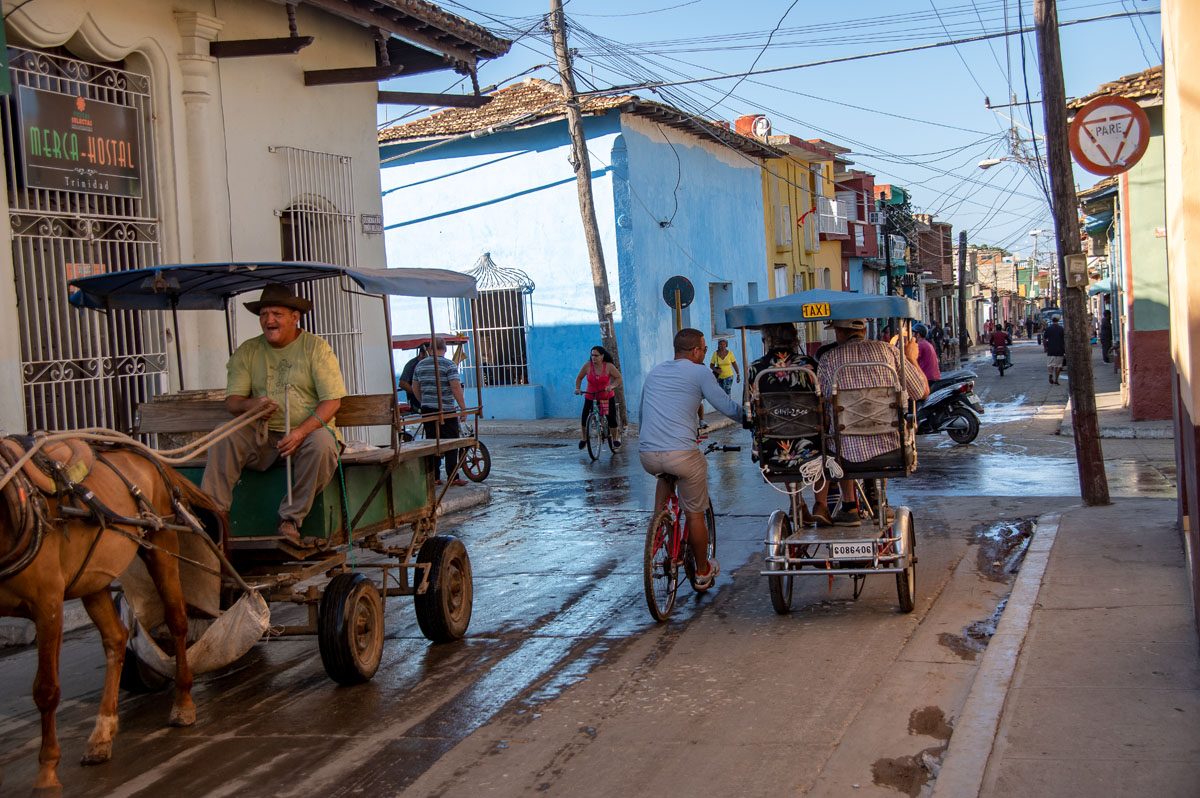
column 214, row 517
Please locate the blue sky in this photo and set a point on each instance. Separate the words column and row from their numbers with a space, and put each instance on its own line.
column 934, row 152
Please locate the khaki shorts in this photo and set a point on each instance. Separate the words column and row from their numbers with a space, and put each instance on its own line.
column 1054, row 361
column 691, row 469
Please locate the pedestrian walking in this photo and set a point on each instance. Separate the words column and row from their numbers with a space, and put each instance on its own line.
column 1054, row 342
column 725, row 366
column 1106, row 335
column 437, row 383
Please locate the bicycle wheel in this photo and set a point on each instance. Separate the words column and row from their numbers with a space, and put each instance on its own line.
column 689, row 560
column 594, row 435
column 660, row 575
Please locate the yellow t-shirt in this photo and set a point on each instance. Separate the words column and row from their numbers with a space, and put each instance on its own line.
column 724, row 365
column 307, row 368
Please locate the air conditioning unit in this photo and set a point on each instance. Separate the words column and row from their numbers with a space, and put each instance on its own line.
column 875, row 217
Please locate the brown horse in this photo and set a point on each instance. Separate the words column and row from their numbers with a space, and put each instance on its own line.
column 78, row 558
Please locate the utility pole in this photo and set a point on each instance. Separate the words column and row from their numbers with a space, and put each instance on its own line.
column 582, row 164
column 1093, row 482
column 887, row 251
column 962, row 295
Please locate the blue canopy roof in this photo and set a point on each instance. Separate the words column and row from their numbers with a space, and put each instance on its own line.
column 209, row 286
column 822, row 304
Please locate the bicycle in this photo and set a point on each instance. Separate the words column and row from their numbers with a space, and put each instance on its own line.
column 667, row 548
column 597, row 431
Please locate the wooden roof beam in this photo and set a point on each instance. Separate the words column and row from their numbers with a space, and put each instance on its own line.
column 440, row 100
column 392, row 26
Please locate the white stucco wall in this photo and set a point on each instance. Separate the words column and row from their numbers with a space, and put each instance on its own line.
column 219, row 187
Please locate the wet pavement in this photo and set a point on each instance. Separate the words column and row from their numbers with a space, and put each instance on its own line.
column 561, row 651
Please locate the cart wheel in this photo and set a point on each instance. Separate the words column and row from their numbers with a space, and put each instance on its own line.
column 136, row 676
column 779, row 528
column 689, row 560
column 660, row 576
column 906, row 581
column 964, row 434
column 476, row 462
column 444, row 608
column 350, row 628
column 595, row 436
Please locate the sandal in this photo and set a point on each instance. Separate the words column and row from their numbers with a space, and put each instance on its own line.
column 705, row 581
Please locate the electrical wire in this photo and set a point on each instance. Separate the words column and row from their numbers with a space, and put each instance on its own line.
column 757, row 58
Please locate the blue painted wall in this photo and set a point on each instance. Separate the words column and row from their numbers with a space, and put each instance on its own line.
column 513, row 194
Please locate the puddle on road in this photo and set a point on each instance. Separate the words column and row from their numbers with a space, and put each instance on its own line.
column 976, row 636
column 539, row 446
column 1002, row 548
column 909, row 774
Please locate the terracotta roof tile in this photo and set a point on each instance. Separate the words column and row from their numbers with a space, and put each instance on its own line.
column 1145, row 88
column 534, row 101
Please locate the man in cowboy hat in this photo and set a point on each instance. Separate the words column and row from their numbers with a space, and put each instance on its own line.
column 284, row 367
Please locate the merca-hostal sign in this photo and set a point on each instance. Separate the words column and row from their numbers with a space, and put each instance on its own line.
column 72, row 143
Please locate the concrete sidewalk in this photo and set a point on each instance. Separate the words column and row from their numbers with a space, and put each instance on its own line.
column 1091, row 685
column 1114, row 417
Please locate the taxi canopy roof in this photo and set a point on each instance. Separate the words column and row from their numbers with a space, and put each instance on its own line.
column 209, row 286
column 821, row 304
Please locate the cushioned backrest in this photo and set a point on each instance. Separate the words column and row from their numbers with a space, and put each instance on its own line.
column 867, row 411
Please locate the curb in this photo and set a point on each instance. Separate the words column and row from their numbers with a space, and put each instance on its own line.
column 1150, row 431
column 464, row 499
column 966, row 760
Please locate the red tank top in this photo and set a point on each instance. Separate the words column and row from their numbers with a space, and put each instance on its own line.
column 597, row 384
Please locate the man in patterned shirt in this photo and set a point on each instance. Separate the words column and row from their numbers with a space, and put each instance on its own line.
column 853, row 347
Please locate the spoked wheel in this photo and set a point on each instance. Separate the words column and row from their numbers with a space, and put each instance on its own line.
column 350, row 628
column 476, row 461
column 660, row 575
column 444, row 608
column 779, row 528
column 595, row 436
column 906, row 581
column 689, row 559
column 965, row 426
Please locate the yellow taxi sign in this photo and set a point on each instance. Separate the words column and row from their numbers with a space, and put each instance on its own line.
column 814, row 310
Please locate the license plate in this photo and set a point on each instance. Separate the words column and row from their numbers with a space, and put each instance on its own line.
column 852, row 551
column 814, row 310
column 975, row 404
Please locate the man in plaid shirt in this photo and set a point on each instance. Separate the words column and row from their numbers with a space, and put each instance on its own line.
column 853, row 347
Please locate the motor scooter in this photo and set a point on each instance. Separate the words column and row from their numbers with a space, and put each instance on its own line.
column 951, row 407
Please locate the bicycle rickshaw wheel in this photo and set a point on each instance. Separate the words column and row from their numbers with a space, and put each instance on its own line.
column 906, row 580
column 595, row 435
column 477, row 461
column 780, row 587
column 660, row 576
column 689, row 560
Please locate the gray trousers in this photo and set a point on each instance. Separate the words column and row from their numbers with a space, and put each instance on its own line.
column 312, row 466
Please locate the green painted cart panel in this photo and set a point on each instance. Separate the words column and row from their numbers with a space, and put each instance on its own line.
column 257, row 495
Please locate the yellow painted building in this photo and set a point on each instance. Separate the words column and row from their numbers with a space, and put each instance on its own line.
column 802, row 216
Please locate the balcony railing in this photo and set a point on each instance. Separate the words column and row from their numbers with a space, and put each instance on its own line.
column 831, row 221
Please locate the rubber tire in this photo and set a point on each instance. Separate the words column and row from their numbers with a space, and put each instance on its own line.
column 350, row 628
column 595, row 437
column 970, row 433
column 477, row 462
column 1002, row 368
column 655, row 544
column 689, row 560
column 906, row 582
column 444, row 609
column 136, row 676
column 780, row 587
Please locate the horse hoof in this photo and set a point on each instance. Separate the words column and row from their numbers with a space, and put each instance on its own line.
column 47, row 792
column 185, row 716
column 97, row 754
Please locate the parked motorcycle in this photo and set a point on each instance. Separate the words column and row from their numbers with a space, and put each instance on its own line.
column 1000, row 358
column 951, row 407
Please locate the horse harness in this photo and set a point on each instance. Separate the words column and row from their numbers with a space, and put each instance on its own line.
column 58, row 473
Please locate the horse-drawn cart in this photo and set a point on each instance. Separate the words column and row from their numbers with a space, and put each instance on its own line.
column 374, row 522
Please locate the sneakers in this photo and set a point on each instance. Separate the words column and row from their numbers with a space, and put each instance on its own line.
column 820, row 514
column 847, row 516
column 616, row 445
column 705, row 581
column 582, row 444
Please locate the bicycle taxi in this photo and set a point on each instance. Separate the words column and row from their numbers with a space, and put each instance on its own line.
column 360, row 518
column 888, row 545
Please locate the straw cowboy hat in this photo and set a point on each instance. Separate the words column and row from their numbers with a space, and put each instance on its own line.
column 280, row 296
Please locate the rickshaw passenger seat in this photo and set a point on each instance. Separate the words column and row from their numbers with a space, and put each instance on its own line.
column 780, row 417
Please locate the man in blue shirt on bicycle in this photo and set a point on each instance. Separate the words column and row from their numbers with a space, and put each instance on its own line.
column 671, row 397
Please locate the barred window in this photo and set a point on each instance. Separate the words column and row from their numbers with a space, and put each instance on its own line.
column 503, row 313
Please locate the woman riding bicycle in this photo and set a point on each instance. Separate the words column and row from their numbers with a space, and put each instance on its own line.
column 602, row 380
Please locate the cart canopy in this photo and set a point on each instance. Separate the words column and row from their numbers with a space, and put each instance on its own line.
column 209, row 286
column 821, row 304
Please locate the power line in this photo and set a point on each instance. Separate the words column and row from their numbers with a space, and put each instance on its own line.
column 756, row 58
column 860, row 57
